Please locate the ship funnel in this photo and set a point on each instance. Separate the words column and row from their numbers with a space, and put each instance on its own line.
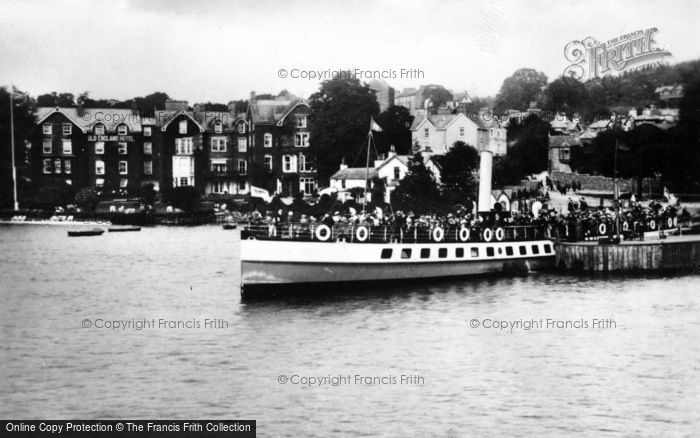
column 485, row 171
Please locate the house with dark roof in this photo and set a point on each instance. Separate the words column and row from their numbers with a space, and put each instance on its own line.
column 278, row 142
column 435, row 134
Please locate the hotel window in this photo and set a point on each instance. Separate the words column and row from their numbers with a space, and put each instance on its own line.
column 303, row 167
column 242, row 167
column 184, row 181
column 99, row 167
column 301, row 122
column 267, row 140
column 301, row 140
column 242, row 185
column 218, row 167
column 182, row 129
column 148, row 148
column 47, row 146
column 123, row 168
column 123, row 148
column 219, row 187
column 242, row 144
column 564, row 154
column 100, row 129
column 426, row 133
column 123, row 182
column 122, row 130
column 183, row 146
column 461, row 131
column 57, row 165
column 147, row 131
column 268, row 162
column 289, row 163
column 47, row 165
column 307, row 185
column 218, row 144
column 99, row 182
column 66, row 166
column 67, row 147
column 241, row 128
column 148, row 167
column 99, row 148
column 48, row 128
column 67, row 129
column 218, row 127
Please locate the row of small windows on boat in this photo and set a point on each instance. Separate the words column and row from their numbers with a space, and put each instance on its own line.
column 509, row 250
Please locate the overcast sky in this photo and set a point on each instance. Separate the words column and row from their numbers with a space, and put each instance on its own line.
column 221, row 50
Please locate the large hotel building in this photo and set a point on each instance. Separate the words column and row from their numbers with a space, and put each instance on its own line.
column 118, row 151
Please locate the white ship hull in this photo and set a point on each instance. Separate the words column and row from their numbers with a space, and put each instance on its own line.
column 274, row 266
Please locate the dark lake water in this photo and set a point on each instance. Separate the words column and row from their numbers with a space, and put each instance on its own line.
column 636, row 373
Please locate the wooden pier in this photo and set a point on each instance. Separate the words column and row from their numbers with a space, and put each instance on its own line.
column 672, row 253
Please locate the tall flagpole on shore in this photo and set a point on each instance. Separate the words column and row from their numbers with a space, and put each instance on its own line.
column 12, row 145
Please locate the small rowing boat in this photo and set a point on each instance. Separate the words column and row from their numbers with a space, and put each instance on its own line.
column 93, row 232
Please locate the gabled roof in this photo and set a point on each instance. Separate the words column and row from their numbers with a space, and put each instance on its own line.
column 87, row 118
column 558, row 141
column 207, row 119
column 439, row 122
column 403, row 159
column 272, row 111
column 163, row 118
column 290, row 109
column 354, row 173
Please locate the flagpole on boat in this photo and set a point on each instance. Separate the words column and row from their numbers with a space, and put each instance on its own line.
column 12, row 145
column 364, row 198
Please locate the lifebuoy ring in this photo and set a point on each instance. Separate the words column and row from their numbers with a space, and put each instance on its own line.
column 438, row 234
column 652, row 224
column 500, row 234
column 625, row 226
column 463, row 234
column 323, row 233
column 487, row 234
column 362, row 233
column 669, row 223
column 602, row 229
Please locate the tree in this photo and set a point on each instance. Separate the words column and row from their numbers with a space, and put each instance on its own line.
column 646, row 144
column 49, row 194
column 438, row 96
column 518, row 90
column 682, row 164
column 456, row 175
column 54, row 99
column 149, row 193
column 185, row 198
column 417, row 191
column 339, row 122
column 396, row 130
column 87, row 199
column 528, row 152
column 23, row 125
column 565, row 95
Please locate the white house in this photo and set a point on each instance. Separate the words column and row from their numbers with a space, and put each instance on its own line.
column 437, row 133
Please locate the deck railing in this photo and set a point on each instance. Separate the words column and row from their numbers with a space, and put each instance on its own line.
column 383, row 234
